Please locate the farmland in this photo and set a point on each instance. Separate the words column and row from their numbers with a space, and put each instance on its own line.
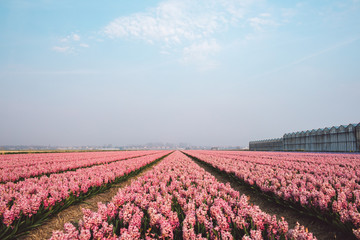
column 176, row 198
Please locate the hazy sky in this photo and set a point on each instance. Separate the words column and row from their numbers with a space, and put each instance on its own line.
column 205, row 72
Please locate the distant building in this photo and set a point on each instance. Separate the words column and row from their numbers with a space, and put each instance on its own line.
column 344, row 138
column 275, row 144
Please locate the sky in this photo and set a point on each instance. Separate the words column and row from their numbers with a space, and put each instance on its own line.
column 203, row 72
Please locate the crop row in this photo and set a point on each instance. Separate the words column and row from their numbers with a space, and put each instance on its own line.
column 344, row 166
column 340, row 165
column 25, row 203
column 177, row 199
column 330, row 192
column 19, row 160
column 18, row 167
column 326, row 158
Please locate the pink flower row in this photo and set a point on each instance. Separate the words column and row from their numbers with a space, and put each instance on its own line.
column 178, row 199
column 312, row 183
column 328, row 158
column 340, row 165
column 29, row 165
column 25, row 198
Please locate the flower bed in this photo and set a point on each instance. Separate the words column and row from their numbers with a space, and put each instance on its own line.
column 322, row 185
column 18, row 167
column 27, row 203
column 179, row 200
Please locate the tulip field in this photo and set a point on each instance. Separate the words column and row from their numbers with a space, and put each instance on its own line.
column 176, row 198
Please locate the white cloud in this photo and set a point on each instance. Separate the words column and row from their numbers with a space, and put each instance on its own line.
column 75, row 37
column 174, row 22
column 71, row 37
column 171, row 23
column 288, row 12
column 69, row 44
column 61, row 49
column 84, row 45
column 200, row 54
column 258, row 23
column 191, row 27
column 265, row 15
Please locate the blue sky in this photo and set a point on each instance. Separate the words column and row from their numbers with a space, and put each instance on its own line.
column 204, row 72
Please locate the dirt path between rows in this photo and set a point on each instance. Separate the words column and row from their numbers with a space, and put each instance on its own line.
column 320, row 229
column 74, row 213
